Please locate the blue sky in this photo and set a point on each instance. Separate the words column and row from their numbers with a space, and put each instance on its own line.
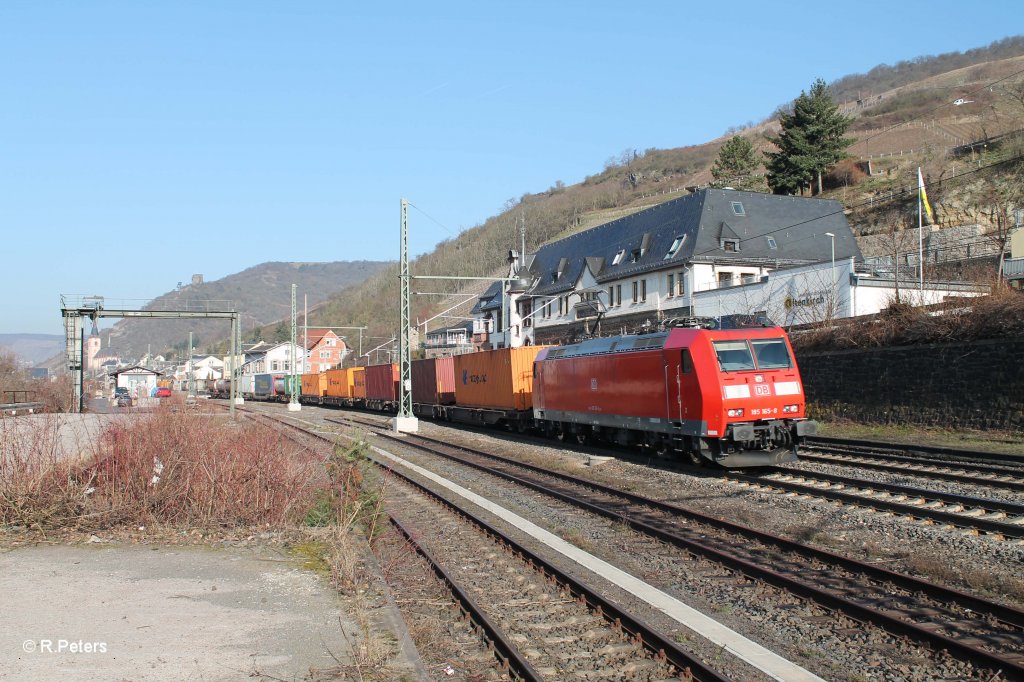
column 142, row 142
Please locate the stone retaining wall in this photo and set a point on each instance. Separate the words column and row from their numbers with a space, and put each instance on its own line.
column 978, row 385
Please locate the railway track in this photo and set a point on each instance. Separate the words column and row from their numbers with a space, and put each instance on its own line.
column 999, row 519
column 970, row 627
column 1001, row 476
column 911, row 451
column 541, row 622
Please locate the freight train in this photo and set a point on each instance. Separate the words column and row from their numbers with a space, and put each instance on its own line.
column 732, row 397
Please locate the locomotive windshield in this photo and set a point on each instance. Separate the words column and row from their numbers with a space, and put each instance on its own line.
column 735, row 356
column 771, row 354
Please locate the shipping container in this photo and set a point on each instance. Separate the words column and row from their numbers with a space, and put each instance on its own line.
column 358, row 381
column 500, row 379
column 283, row 384
column 341, row 382
column 433, row 381
column 382, row 382
column 336, row 383
column 314, row 385
column 263, row 385
column 246, row 384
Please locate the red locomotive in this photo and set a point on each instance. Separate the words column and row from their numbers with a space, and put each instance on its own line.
column 729, row 396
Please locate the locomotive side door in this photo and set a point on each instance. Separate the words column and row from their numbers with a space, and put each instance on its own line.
column 687, row 388
column 680, row 382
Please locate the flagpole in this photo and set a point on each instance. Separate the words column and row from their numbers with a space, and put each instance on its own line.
column 920, row 234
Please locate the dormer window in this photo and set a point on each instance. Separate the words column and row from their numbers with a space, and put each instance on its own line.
column 634, row 256
column 677, row 244
column 730, row 245
column 737, row 208
column 618, row 257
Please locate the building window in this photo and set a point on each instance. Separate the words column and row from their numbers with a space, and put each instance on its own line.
column 635, row 256
column 681, row 284
column 671, row 284
column 273, row 366
column 677, row 244
column 330, row 342
column 618, row 294
column 618, row 257
column 611, row 296
column 771, row 243
column 725, row 279
column 731, row 245
column 643, row 290
column 636, row 291
column 737, row 208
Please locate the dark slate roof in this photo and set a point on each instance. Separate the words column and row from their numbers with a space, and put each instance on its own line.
column 489, row 300
column 702, row 219
column 464, row 327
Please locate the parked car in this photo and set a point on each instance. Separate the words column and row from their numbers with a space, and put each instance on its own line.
column 120, row 391
column 124, row 400
column 163, row 392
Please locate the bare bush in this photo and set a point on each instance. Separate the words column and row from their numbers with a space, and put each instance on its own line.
column 998, row 315
column 164, row 467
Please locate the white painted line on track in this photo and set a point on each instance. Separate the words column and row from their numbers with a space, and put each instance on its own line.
column 749, row 651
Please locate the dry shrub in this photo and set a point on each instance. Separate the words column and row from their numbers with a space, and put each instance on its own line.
column 37, row 482
column 196, row 469
column 846, row 173
column 998, row 315
column 181, row 468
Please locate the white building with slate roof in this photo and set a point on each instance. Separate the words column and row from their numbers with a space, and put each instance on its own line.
column 711, row 253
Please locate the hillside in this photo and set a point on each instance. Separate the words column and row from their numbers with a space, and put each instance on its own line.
column 905, row 117
column 261, row 293
column 31, row 348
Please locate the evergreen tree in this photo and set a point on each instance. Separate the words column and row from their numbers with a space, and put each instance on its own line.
column 811, row 141
column 736, row 164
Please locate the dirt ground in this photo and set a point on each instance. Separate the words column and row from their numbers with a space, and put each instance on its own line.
column 101, row 612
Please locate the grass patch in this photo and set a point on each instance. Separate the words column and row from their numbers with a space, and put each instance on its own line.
column 312, row 555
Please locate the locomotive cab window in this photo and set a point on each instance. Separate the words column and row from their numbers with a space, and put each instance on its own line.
column 687, row 361
column 733, row 356
column 771, row 354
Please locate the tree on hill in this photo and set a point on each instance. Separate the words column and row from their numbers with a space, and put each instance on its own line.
column 736, row 164
column 811, row 141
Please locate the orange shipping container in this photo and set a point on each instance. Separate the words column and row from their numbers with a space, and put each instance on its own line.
column 357, row 382
column 498, row 379
column 314, row 384
column 342, row 383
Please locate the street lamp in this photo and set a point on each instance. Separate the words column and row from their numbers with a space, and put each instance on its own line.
column 832, row 237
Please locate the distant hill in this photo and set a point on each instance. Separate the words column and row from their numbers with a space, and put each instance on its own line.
column 261, row 293
column 905, row 116
column 31, row 348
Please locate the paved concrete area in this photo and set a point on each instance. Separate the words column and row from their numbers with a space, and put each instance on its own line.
column 166, row 613
column 54, row 436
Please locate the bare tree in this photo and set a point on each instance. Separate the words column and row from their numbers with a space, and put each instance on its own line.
column 898, row 239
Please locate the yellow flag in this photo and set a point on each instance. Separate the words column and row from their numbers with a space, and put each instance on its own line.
column 924, row 197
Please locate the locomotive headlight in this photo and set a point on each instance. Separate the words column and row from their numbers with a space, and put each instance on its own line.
column 735, row 412
column 791, row 408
